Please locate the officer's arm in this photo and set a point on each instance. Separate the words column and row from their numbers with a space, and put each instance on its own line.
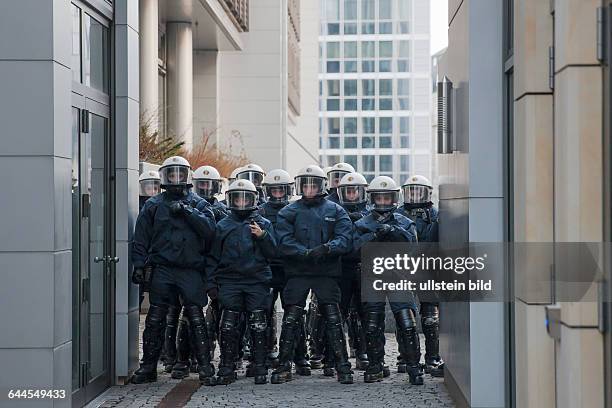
column 267, row 242
column 142, row 236
column 287, row 244
column 361, row 237
column 343, row 234
column 202, row 220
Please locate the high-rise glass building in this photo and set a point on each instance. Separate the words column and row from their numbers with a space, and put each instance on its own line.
column 374, row 86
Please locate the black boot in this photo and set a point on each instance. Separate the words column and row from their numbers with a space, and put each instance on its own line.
column 430, row 323
column 331, row 311
column 152, row 343
column 359, row 342
column 315, row 328
column 272, row 340
column 289, row 332
column 300, row 356
column 329, row 360
column 212, row 318
column 374, row 323
column 201, row 350
column 181, row 367
column 409, row 344
column 170, row 337
column 401, row 363
column 258, row 325
column 229, row 342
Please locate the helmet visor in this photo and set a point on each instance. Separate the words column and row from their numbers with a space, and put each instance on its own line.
column 384, row 200
column 278, row 193
column 149, row 188
column 335, row 177
column 254, row 177
column 416, row 194
column 175, row 176
column 308, row 186
column 207, row 188
column 241, row 200
column 352, row 194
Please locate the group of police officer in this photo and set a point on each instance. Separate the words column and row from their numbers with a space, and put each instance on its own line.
column 261, row 244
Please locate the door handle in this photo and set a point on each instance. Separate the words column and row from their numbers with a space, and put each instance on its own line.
column 98, row 259
column 114, row 259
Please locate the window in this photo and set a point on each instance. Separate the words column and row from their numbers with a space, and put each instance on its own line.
column 403, row 27
column 333, row 142
column 385, row 163
column 403, row 56
column 333, row 87
column 333, row 159
column 385, row 142
column 404, row 131
column 404, row 164
column 350, row 104
column 368, row 163
column 350, row 87
column 95, row 54
column 368, row 9
column 333, row 105
column 403, row 94
column 368, row 87
column 369, row 125
column 350, row 49
column 385, row 87
column 333, row 67
column 384, row 66
column 76, row 43
column 368, row 49
column 385, row 9
column 351, row 159
column 385, row 104
column 350, row 66
column 350, row 10
column 350, row 125
column 333, row 50
column 368, row 66
column 368, row 104
column 333, row 126
column 368, row 28
column 385, row 49
column 385, row 28
column 350, row 28
column 350, row 142
column 385, row 125
column 333, row 10
column 333, row 29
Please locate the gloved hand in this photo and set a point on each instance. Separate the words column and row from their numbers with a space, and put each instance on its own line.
column 318, row 252
column 138, row 276
column 177, row 208
column 217, row 213
column 355, row 216
column 383, row 230
column 213, row 293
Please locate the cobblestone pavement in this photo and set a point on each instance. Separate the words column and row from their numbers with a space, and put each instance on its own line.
column 313, row 391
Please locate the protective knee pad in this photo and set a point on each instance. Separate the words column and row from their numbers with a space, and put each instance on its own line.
column 331, row 312
column 230, row 321
column 430, row 318
column 258, row 321
column 156, row 317
column 405, row 319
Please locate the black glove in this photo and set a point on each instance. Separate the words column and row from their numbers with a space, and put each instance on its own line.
column 217, row 213
column 355, row 216
column 383, row 230
column 177, row 208
column 318, row 252
column 213, row 293
column 138, row 276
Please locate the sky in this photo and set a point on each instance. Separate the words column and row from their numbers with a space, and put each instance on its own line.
column 439, row 25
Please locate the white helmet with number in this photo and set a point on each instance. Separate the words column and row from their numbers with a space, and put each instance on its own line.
column 241, row 195
column 383, row 194
column 337, row 171
column 278, row 186
column 251, row 172
column 352, row 189
column 417, row 190
column 310, row 182
column 207, row 181
column 175, row 172
column 149, row 183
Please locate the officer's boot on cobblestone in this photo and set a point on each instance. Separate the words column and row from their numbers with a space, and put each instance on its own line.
column 329, row 360
column 359, row 342
column 180, row 369
column 430, row 323
column 409, row 344
column 272, row 340
column 200, row 349
column 316, row 325
column 170, row 337
column 152, row 343
column 374, row 323
column 229, row 342
column 300, row 356
column 331, row 311
column 258, row 325
column 289, row 333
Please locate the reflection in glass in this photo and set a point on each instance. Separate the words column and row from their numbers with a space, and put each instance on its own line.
column 76, row 43
column 95, row 55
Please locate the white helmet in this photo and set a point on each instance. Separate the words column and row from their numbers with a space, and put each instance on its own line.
column 278, row 186
column 326, row 170
column 207, row 181
column 417, row 190
column 175, row 171
column 149, row 183
column 253, row 173
column 383, row 194
column 352, row 189
column 241, row 195
column 337, row 171
column 232, row 176
column 311, row 176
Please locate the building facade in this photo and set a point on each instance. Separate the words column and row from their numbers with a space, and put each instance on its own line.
column 374, row 86
column 528, row 163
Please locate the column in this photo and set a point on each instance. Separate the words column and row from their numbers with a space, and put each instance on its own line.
column 180, row 81
column 149, row 98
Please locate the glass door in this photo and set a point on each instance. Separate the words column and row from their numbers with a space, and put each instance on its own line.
column 92, row 264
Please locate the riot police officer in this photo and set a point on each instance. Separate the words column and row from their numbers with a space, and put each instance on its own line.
column 240, row 272
column 149, row 186
column 278, row 188
column 383, row 224
column 419, row 208
column 352, row 195
column 172, row 231
column 255, row 174
column 313, row 233
column 207, row 184
column 334, row 175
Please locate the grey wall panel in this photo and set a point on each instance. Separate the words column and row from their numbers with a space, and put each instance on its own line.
column 62, row 297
